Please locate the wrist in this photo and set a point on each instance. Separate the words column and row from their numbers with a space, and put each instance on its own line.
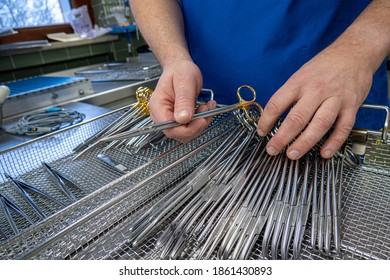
column 176, row 56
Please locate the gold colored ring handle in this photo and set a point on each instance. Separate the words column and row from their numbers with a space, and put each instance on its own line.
column 143, row 95
column 244, row 104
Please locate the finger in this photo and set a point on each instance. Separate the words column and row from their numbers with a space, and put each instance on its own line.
column 320, row 124
column 187, row 132
column 339, row 135
column 209, row 106
column 275, row 107
column 207, row 121
column 186, row 91
column 295, row 121
column 161, row 102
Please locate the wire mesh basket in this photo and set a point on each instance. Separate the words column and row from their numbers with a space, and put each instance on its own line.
column 109, row 201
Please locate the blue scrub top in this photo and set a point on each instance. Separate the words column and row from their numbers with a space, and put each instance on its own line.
column 261, row 43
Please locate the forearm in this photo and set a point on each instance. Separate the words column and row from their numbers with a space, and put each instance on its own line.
column 367, row 40
column 161, row 24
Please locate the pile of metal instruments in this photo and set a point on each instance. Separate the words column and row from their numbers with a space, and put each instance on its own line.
column 119, row 71
column 136, row 115
column 89, row 192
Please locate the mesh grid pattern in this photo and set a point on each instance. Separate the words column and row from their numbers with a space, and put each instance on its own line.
column 96, row 225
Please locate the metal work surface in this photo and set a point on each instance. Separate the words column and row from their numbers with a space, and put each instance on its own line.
column 43, row 91
column 40, row 83
column 104, row 215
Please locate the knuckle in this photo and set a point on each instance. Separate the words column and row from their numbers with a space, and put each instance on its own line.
column 296, row 119
column 338, row 141
column 279, row 142
column 273, row 107
column 323, row 122
column 309, row 141
column 320, row 87
column 339, row 136
column 345, row 126
column 183, row 100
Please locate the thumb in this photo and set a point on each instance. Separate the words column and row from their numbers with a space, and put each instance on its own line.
column 185, row 99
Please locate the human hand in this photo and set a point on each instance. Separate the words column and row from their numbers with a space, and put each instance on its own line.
column 327, row 91
column 175, row 98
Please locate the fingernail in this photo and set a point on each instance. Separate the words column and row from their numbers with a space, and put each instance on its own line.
column 294, row 154
column 260, row 132
column 183, row 114
column 328, row 153
column 272, row 151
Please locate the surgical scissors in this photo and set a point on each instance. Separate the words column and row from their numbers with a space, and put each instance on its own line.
column 242, row 104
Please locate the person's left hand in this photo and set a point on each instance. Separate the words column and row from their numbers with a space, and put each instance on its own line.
column 327, row 91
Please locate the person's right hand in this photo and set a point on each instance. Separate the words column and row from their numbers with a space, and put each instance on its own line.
column 175, row 98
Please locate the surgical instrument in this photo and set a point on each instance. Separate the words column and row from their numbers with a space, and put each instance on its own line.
column 283, row 213
column 24, row 189
column 117, row 166
column 258, row 178
column 62, row 182
column 189, row 223
column 218, row 223
column 304, row 201
column 135, row 113
column 336, row 197
column 157, row 214
column 314, row 212
column 294, row 208
column 242, row 104
column 328, row 205
column 6, row 205
column 257, row 213
column 275, row 209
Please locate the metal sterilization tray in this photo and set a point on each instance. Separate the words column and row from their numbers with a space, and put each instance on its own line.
column 109, row 201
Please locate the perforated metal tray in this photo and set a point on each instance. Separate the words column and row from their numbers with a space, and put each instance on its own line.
column 96, row 226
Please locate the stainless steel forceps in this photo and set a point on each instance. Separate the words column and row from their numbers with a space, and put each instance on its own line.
column 242, row 104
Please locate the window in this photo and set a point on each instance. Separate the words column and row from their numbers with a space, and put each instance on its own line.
column 27, row 13
column 33, row 20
